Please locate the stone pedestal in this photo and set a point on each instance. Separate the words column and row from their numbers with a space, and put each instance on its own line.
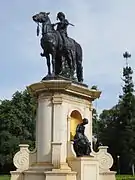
column 86, row 167
column 57, row 100
column 62, row 105
column 60, row 175
column 107, row 175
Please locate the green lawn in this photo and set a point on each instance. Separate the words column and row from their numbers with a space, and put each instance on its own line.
column 118, row 177
column 125, row 177
column 4, row 177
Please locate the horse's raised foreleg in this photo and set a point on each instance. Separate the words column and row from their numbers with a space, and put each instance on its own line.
column 48, row 64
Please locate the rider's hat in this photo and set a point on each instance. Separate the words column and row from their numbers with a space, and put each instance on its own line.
column 60, row 14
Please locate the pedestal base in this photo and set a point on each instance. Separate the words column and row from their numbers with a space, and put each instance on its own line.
column 44, row 173
column 86, row 167
column 107, row 175
column 60, row 175
column 16, row 175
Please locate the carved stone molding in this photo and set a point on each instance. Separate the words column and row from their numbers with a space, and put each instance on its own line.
column 71, row 152
column 105, row 159
column 67, row 87
column 57, row 99
column 21, row 158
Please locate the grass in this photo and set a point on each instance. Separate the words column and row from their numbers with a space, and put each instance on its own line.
column 125, row 177
column 4, row 177
column 118, row 177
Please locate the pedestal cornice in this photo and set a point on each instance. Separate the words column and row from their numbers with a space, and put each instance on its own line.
column 64, row 86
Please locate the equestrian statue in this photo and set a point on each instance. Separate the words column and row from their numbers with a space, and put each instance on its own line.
column 65, row 52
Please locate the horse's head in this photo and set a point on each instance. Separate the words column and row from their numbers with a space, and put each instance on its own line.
column 42, row 17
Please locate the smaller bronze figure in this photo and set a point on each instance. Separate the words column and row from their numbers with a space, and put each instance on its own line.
column 82, row 146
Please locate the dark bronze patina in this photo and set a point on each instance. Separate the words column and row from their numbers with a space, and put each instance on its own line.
column 66, row 53
column 82, row 146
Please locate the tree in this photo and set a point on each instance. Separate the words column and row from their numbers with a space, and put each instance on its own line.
column 95, row 124
column 17, row 125
column 126, row 121
column 108, row 131
column 117, row 125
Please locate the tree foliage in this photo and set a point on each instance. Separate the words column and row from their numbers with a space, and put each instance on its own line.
column 117, row 125
column 17, row 125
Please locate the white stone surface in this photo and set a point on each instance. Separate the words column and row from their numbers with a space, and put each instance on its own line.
column 105, row 159
column 21, row 158
column 32, row 157
column 70, row 150
column 107, row 176
column 105, row 163
column 86, row 167
column 60, row 175
column 44, row 128
column 56, row 152
column 16, row 175
column 88, row 115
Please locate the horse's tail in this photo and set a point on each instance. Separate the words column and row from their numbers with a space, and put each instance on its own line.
column 79, row 62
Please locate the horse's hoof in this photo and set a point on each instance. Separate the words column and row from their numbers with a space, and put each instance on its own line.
column 53, row 74
column 48, row 75
column 80, row 82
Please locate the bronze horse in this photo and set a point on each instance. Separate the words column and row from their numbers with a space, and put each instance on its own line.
column 50, row 43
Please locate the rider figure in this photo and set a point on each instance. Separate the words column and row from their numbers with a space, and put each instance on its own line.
column 62, row 26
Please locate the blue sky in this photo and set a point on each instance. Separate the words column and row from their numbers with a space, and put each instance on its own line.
column 105, row 29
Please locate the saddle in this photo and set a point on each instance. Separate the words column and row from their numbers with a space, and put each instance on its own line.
column 64, row 43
